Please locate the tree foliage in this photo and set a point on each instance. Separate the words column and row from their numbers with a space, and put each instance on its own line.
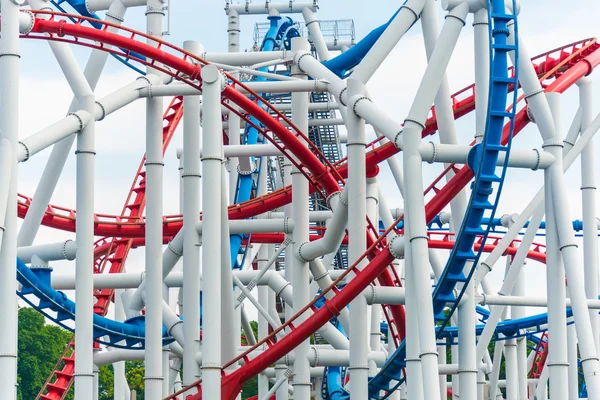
column 40, row 347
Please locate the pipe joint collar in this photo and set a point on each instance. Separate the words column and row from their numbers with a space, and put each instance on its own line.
column 26, row 151
column 248, row 172
column 396, row 247
column 298, row 56
column 26, row 29
column 300, row 256
column 332, row 196
column 115, row 16
column 412, row 10
column 173, row 325
column 459, row 12
column 538, row 161
column 553, row 144
column 357, row 99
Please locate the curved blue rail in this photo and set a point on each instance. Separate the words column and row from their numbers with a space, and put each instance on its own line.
column 56, row 306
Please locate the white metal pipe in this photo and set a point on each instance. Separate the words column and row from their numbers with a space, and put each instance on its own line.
column 211, row 252
column 268, row 7
column 6, row 165
column 49, row 252
column 415, row 217
column 334, row 234
column 588, row 196
column 99, row 5
column 120, row 382
column 300, row 269
column 312, row 24
column 263, row 298
column 181, row 89
column 191, row 241
column 84, row 293
column 237, row 226
column 482, row 71
column 153, row 376
column 9, row 131
column 573, row 373
column 408, row 14
column 69, row 125
column 357, row 244
column 555, row 276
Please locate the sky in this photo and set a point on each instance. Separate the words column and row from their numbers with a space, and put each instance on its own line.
column 45, row 97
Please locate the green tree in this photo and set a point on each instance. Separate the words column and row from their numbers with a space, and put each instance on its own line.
column 134, row 372
column 40, row 347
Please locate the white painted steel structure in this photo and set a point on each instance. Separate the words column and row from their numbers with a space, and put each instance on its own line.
column 290, row 218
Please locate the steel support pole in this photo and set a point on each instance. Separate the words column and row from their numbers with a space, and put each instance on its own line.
column 482, row 71
column 588, row 196
column 153, row 377
column 212, row 147
column 233, row 32
column 300, row 270
column 557, row 361
column 414, row 201
column 447, row 129
column 120, row 382
column 9, row 128
column 191, row 242
column 357, row 245
column 84, row 275
column 263, row 327
column 229, row 334
column 375, row 310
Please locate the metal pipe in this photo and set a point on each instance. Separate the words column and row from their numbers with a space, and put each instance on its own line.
column 212, row 82
column 357, row 244
column 312, row 24
column 588, row 196
column 9, row 131
column 48, row 252
column 84, row 285
column 300, row 270
column 405, row 18
column 268, row 7
column 153, row 376
column 191, row 241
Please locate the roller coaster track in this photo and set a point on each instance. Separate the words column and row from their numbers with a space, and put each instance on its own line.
column 325, row 180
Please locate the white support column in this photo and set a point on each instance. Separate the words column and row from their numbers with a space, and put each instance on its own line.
column 588, row 195
column 212, row 147
column 312, row 24
column 482, row 71
column 9, row 128
column 233, row 32
column 263, row 327
column 154, row 212
column 191, row 242
column 374, row 314
column 84, row 285
column 120, row 383
column 357, row 245
column 557, row 361
column 414, row 201
column 300, row 271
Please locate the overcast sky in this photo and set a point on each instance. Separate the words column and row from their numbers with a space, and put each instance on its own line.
column 45, row 97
